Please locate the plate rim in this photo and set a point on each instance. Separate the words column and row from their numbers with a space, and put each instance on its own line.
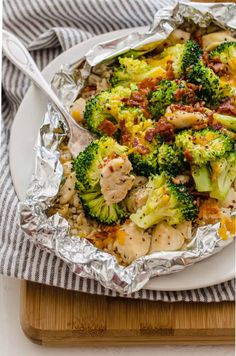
column 47, row 73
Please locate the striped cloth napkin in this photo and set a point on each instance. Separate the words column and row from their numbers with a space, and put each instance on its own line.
column 47, row 28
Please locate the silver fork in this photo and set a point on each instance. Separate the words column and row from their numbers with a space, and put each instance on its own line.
column 17, row 53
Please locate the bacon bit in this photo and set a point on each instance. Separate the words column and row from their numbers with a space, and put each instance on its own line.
column 219, row 68
column 200, row 126
column 135, row 142
column 143, row 150
column 135, row 121
column 216, row 125
column 139, row 147
column 179, row 93
column 169, row 70
column 138, row 99
column 197, row 36
column 165, row 129
column 188, row 156
column 108, row 127
column 149, row 134
column 228, row 107
column 125, row 135
column 111, row 169
column 148, row 84
column 205, row 58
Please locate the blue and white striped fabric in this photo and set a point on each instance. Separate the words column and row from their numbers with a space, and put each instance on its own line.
column 47, row 28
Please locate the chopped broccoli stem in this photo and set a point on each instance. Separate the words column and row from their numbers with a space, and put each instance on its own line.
column 202, row 178
column 226, row 120
column 166, row 201
column 223, row 175
column 96, row 207
column 204, row 145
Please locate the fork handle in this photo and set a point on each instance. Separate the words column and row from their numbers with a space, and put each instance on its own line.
column 19, row 55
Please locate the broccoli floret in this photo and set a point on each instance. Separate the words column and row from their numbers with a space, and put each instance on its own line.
column 223, row 175
column 144, row 165
column 87, row 164
column 160, row 99
column 105, row 106
column 170, row 159
column 136, row 70
column 203, row 146
column 226, row 52
column 183, row 56
column 166, row 201
column 226, row 120
column 96, row 207
column 133, row 70
column 212, row 91
column 202, row 178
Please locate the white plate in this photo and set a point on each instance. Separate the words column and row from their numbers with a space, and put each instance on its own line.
column 216, row 269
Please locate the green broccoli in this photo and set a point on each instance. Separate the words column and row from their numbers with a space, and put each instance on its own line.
column 213, row 90
column 87, row 164
column 136, row 70
column 223, row 175
column 96, row 207
column 166, row 201
column 106, row 106
column 133, row 70
column 161, row 98
column 203, row 146
column 226, row 52
column 183, row 56
column 144, row 164
column 202, row 178
column 226, row 120
column 170, row 159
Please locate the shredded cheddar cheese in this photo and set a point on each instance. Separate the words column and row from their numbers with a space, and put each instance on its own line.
column 121, row 236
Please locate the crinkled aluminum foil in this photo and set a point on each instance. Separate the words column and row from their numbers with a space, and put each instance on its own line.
column 53, row 233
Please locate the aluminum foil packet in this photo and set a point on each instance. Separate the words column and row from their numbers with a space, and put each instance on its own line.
column 53, row 232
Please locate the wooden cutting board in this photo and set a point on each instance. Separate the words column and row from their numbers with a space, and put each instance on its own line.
column 53, row 316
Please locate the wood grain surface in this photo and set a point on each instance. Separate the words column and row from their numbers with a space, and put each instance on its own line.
column 53, row 316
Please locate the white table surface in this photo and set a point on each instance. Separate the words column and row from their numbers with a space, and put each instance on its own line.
column 14, row 343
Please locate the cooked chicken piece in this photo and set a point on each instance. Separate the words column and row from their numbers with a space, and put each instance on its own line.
column 139, row 181
column 67, row 190
column 185, row 228
column 77, row 110
column 131, row 242
column 230, row 200
column 136, row 199
column 115, row 179
column 181, row 179
column 212, row 40
column 166, row 238
column 67, row 167
column 181, row 119
column 177, row 36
